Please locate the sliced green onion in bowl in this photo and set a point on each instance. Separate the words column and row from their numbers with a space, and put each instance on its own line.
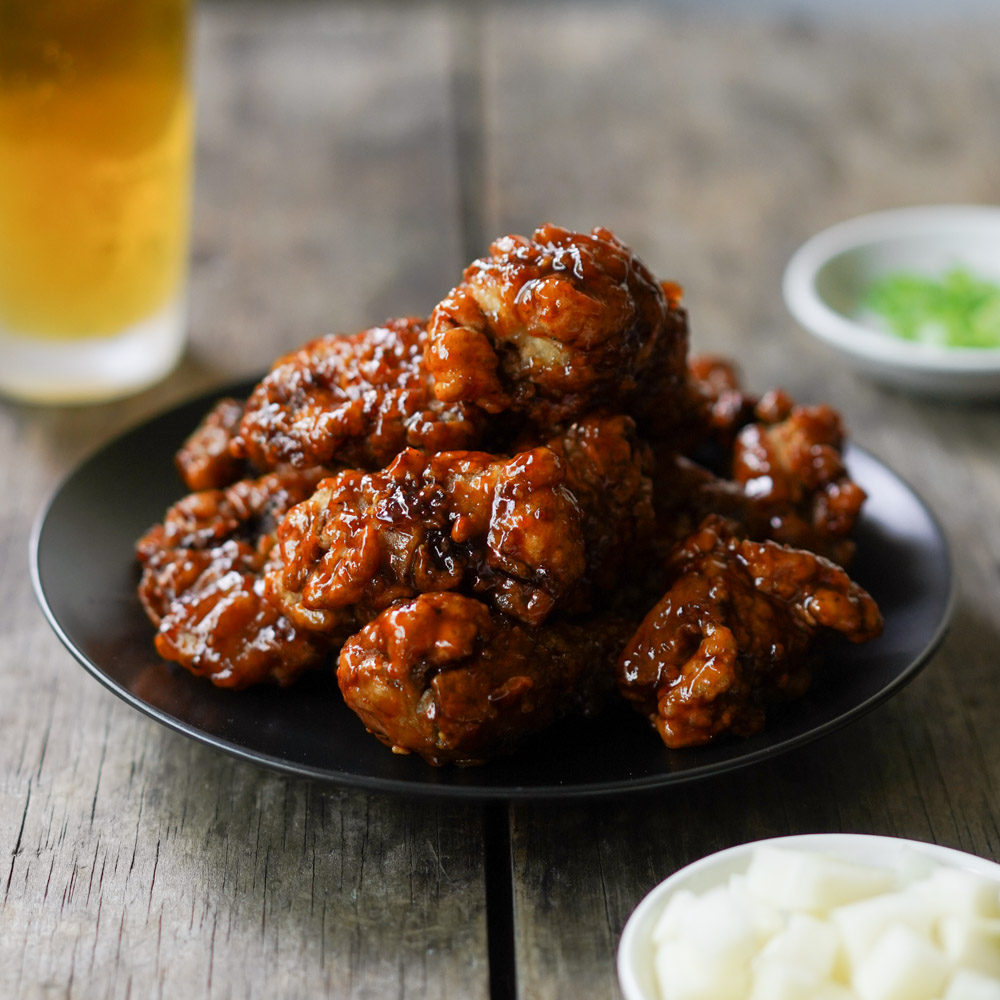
column 959, row 309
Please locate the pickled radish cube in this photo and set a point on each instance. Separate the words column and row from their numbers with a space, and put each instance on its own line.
column 967, row 985
column 798, row 880
column 721, row 930
column 912, row 866
column 775, row 980
column 807, row 944
column 902, row 965
column 675, row 916
column 767, row 920
column 962, row 893
column 683, row 973
column 861, row 924
column 973, row 944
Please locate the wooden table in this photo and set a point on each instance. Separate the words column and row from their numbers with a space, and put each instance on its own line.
column 351, row 158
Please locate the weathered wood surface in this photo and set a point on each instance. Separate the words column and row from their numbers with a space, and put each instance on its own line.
column 717, row 146
column 351, row 157
column 134, row 862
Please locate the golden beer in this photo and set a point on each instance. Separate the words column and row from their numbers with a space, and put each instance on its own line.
column 95, row 163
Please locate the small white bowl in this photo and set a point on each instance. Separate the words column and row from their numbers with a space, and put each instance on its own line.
column 635, row 950
column 827, row 277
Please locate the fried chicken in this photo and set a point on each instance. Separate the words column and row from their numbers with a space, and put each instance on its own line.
column 542, row 529
column 792, row 459
column 445, row 677
column 556, row 327
column 206, row 461
column 481, row 509
column 719, row 409
column 355, row 401
column 202, row 584
column 736, row 631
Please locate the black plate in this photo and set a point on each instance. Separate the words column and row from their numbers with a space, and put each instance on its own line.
column 85, row 577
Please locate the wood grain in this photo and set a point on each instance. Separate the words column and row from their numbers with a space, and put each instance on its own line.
column 135, row 863
column 716, row 148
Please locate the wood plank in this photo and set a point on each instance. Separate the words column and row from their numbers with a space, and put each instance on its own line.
column 134, row 862
column 715, row 147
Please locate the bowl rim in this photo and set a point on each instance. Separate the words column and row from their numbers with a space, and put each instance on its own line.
column 811, row 311
column 856, row 846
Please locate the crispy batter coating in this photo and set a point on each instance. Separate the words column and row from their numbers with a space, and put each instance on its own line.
column 542, row 529
column 557, row 326
column 496, row 588
column 720, row 409
column 507, row 528
column 735, row 632
column 784, row 477
column 685, row 493
column 792, row 458
column 202, row 584
column 607, row 472
column 356, row 400
column 205, row 460
column 445, row 677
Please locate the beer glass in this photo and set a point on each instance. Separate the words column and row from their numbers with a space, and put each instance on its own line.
column 95, row 177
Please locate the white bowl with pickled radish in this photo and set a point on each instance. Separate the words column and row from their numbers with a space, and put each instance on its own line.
column 819, row 917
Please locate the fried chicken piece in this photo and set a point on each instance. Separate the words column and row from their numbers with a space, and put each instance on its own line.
column 445, row 677
column 607, row 472
column 202, row 584
column 558, row 326
column 205, row 460
column 792, row 459
column 545, row 528
column 784, row 476
column 720, row 409
column 356, row 401
column 508, row 528
column 736, row 631
column 685, row 494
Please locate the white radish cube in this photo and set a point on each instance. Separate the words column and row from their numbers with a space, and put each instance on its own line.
column 721, row 929
column 776, row 980
column 913, row 866
column 967, row 985
column 773, row 980
column 902, row 965
column 767, row 920
column 962, row 893
column 833, row 991
column 861, row 924
column 799, row 880
column 972, row 944
column 806, row 943
column 683, row 973
column 675, row 916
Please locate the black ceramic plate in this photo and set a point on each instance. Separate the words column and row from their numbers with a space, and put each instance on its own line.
column 85, row 577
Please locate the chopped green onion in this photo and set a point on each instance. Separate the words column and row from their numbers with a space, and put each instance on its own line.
column 959, row 309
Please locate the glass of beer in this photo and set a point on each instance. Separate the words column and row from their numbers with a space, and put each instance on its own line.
column 95, row 186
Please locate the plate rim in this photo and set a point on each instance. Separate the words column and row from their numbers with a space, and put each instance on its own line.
column 482, row 793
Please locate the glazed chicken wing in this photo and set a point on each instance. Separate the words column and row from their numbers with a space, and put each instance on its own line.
column 557, row 326
column 720, row 409
column 736, row 631
column 791, row 460
column 508, row 528
column 205, row 460
column 529, row 533
column 782, row 472
column 202, row 584
column 445, row 677
column 481, row 508
column 356, row 401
